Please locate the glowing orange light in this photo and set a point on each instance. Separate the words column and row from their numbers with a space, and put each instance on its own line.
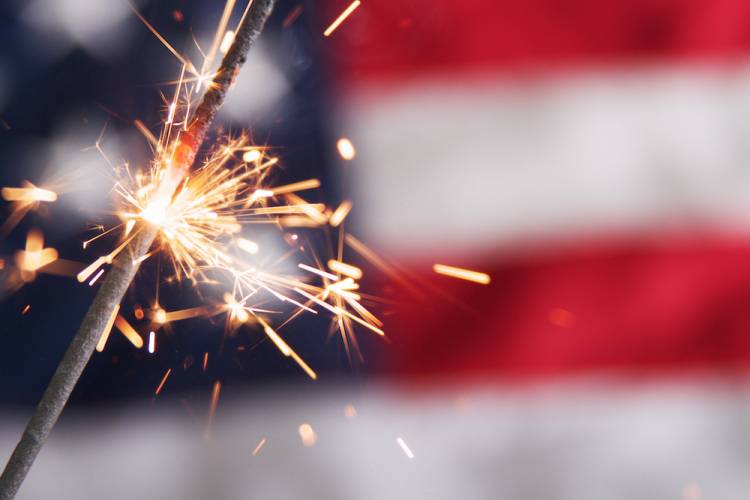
column 346, row 148
column 342, row 17
column 308, row 435
column 460, row 273
column 346, row 269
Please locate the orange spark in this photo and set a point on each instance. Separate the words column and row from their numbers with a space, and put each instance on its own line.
column 346, row 148
column 342, row 17
column 249, row 246
column 346, row 269
column 163, row 381
column 308, row 435
column 296, row 186
column 28, row 194
column 34, row 256
column 129, row 332
column 460, row 273
column 107, row 328
column 340, row 213
column 251, row 155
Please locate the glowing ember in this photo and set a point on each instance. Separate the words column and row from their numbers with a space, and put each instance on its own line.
column 252, row 156
column 108, row 328
column 226, row 43
column 34, row 256
column 342, row 17
column 28, row 194
column 249, row 246
column 346, row 149
column 460, row 273
column 129, row 332
column 308, row 435
column 151, row 342
column 338, row 216
column 345, row 269
column 163, row 381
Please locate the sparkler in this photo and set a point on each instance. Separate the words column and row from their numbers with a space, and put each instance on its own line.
column 195, row 213
column 128, row 259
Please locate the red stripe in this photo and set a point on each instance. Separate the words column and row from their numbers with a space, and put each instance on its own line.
column 388, row 39
column 625, row 306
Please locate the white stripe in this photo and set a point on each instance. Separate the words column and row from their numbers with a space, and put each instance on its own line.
column 587, row 439
column 462, row 166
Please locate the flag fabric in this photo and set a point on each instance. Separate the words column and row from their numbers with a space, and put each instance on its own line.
column 591, row 157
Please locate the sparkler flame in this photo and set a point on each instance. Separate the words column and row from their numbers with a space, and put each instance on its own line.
column 201, row 215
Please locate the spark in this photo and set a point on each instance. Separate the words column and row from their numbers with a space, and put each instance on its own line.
column 129, row 332
column 338, row 215
column 170, row 115
column 206, row 217
column 164, row 42
column 212, row 409
column 307, row 434
column 251, row 156
column 28, row 194
column 285, row 349
column 407, row 451
column 151, row 342
column 96, row 277
column 346, row 149
column 292, row 16
column 35, row 256
column 257, row 448
column 317, row 271
column 227, row 42
column 342, row 17
column 160, row 316
column 296, row 186
column 247, row 245
column 237, row 310
column 205, row 360
column 350, row 412
column 90, row 269
column 107, row 328
column 345, row 269
column 460, row 273
column 26, row 309
column 163, row 381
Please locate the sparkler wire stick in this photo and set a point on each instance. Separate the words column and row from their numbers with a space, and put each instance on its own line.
column 126, row 264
